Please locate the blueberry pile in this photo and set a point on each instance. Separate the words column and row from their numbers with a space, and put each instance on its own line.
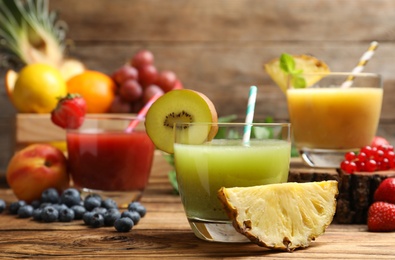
column 93, row 210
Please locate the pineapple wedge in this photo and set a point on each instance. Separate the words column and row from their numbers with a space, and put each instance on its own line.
column 306, row 63
column 282, row 216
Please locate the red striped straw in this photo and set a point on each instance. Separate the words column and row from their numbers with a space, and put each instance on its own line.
column 361, row 64
column 141, row 114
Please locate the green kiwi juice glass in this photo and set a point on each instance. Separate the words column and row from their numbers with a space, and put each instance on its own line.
column 204, row 166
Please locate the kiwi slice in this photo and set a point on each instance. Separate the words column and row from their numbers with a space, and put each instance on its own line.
column 181, row 105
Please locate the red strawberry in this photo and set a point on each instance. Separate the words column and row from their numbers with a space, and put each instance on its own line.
column 381, row 217
column 69, row 112
column 386, row 191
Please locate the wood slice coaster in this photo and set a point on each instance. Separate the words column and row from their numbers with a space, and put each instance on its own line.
column 355, row 190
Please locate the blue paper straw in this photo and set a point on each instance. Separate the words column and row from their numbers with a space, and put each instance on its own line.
column 250, row 113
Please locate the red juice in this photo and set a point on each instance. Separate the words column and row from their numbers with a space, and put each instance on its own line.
column 110, row 161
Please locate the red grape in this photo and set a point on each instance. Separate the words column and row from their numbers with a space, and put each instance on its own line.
column 147, row 75
column 150, row 91
column 130, row 90
column 166, row 80
column 124, row 73
column 142, row 58
column 120, row 106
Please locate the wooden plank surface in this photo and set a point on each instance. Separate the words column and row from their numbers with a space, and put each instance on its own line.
column 164, row 233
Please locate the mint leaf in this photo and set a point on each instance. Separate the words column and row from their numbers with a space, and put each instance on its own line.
column 288, row 65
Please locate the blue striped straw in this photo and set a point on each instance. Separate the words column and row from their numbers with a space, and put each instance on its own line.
column 250, row 113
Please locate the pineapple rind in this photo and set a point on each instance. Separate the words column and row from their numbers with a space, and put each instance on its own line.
column 281, row 201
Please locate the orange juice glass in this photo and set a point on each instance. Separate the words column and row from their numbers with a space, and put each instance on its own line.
column 329, row 120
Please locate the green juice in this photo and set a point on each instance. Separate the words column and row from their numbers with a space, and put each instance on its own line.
column 203, row 169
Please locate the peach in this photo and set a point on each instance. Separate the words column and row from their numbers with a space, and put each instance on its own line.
column 35, row 169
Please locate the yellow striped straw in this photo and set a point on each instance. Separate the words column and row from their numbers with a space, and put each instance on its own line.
column 361, row 64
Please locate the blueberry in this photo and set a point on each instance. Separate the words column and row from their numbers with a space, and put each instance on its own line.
column 26, row 211
column 2, row 206
column 97, row 220
column 111, row 216
column 87, row 217
column 94, row 195
column 133, row 215
column 91, row 203
column 49, row 214
column 50, row 195
column 35, row 204
column 78, row 211
column 123, row 224
column 71, row 197
column 137, row 206
column 14, row 206
column 45, row 204
column 37, row 214
column 59, row 207
column 66, row 215
column 109, row 204
column 100, row 210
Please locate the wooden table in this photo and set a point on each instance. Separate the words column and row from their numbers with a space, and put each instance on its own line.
column 164, row 233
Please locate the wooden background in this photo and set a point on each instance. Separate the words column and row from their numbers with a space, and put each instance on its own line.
column 219, row 46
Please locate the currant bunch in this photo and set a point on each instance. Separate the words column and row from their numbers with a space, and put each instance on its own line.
column 369, row 159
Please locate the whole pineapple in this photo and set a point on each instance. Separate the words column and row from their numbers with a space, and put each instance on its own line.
column 31, row 33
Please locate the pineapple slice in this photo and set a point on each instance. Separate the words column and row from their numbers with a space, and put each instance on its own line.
column 282, row 216
column 304, row 63
column 30, row 33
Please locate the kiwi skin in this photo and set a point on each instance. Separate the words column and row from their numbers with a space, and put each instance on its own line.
column 181, row 105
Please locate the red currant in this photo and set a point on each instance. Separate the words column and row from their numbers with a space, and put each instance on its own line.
column 348, row 166
column 370, row 165
column 350, row 156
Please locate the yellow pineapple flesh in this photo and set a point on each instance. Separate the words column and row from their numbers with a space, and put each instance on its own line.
column 305, row 63
column 282, row 216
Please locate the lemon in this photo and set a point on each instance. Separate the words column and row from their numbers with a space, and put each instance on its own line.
column 282, row 216
column 37, row 88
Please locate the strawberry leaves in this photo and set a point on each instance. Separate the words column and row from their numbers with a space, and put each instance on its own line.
column 69, row 112
column 288, row 65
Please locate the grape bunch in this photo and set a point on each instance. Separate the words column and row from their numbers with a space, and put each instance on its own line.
column 139, row 80
column 369, row 159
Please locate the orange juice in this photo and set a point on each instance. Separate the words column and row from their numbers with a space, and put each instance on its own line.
column 334, row 118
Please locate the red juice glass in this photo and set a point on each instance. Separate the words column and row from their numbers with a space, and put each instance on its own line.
column 106, row 159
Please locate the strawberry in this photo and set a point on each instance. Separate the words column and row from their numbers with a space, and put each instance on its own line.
column 381, row 216
column 378, row 140
column 69, row 112
column 386, row 191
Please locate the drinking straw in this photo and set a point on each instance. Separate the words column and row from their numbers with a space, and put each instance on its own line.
column 361, row 64
column 141, row 114
column 250, row 113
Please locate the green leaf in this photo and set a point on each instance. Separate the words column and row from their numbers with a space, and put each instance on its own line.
column 173, row 181
column 298, row 81
column 287, row 63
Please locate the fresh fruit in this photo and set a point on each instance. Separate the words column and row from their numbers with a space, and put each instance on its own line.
column 138, row 81
column 69, row 112
column 182, row 105
column 386, row 191
column 96, row 88
column 379, row 141
column 31, row 33
column 369, row 159
column 9, row 82
column 279, row 69
column 381, row 217
column 37, row 88
column 282, row 216
column 35, row 169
